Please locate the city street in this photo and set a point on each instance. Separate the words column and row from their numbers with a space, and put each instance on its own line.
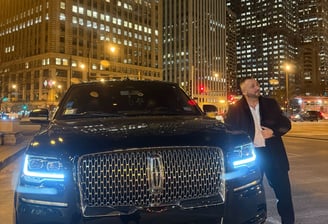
column 122, row 81
column 308, row 159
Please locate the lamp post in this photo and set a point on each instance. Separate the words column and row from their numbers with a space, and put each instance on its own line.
column 14, row 92
column 70, row 72
column 287, row 69
column 112, row 51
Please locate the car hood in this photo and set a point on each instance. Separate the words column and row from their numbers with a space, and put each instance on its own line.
column 76, row 137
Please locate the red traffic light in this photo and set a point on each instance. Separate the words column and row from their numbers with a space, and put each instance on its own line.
column 231, row 98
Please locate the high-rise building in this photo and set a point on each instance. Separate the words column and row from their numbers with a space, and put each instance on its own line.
column 313, row 24
column 194, row 51
column 267, row 44
column 46, row 45
column 231, row 51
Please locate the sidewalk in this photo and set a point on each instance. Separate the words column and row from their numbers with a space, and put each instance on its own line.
column 8, row 153
column 26, row 130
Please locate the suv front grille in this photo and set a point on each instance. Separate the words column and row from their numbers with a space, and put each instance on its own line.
column 150, row 177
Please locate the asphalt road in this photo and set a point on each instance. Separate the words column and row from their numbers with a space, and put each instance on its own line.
column 308, row 173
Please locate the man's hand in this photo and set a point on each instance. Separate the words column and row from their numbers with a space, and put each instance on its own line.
column 267, row 132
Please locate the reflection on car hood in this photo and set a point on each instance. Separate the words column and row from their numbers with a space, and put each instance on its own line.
column 95, row 135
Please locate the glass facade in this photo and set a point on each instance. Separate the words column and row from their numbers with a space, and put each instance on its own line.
column 267, row 40
column 194, row 49
column 313, row 23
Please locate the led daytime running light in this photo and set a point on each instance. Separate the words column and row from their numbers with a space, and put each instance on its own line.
column 245, row 159
column 27, row 172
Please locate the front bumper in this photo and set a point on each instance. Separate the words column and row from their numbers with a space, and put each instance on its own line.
column 245, row 205
column 195, row 192
column 32, row 214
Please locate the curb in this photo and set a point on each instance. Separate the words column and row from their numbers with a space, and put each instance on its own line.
column 308, row 137
column 11, row 158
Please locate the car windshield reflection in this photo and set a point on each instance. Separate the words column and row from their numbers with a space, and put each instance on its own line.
column 132, row 99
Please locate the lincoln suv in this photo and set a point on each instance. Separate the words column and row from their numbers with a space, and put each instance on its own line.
column 133, row 151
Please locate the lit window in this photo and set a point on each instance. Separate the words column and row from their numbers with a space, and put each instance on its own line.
column 89, row 13
column 58, row 61
column 74, row 8
column 95, row 25
column 62, row 17
column 81, row 21
column 107, row 18
column 95, row 15
column 81, row 10
column 65, row 62
column 62, row 5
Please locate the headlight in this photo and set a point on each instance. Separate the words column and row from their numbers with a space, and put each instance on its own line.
column 38, row 169
column 243, row 155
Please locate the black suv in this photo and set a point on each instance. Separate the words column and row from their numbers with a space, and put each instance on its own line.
column 137, row 152
column 312, row 115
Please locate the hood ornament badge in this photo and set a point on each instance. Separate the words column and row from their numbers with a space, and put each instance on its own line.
column 155, row 173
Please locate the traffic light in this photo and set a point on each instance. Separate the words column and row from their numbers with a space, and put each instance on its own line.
column 231, row 98
column 24, row 107
column 201, row 89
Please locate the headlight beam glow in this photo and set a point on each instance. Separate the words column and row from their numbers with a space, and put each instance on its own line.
column 42, row 173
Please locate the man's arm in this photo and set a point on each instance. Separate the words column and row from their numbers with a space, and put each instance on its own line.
column 283, row 124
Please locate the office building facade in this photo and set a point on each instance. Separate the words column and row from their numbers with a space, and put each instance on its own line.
column 231, row 51
column 46, row 45
column 313, row 24
column 194, row 49
column 267, row 44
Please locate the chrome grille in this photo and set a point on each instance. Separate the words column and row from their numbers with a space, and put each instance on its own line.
column 127, row 178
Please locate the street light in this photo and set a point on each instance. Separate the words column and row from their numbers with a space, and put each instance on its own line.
column 14, row 92
column 112, row 51
column 287, row 69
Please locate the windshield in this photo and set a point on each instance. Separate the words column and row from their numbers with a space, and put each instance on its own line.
column 125, row 98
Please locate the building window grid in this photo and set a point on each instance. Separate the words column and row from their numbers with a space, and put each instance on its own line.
column 147, row 39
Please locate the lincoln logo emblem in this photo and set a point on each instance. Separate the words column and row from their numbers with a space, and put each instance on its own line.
column 155, row 173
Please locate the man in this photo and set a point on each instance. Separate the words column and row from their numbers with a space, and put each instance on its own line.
column 262, row 119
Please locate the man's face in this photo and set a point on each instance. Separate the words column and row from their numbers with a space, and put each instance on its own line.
column 251, row 88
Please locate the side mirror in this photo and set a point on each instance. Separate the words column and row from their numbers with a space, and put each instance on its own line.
column 39, row 116
column 207, row 108
column 211, row 111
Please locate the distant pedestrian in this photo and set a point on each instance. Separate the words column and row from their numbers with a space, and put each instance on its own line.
column 262, row 119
